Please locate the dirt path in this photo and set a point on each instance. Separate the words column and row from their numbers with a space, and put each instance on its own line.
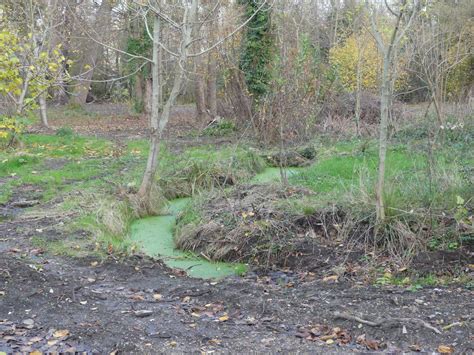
column 137, row 305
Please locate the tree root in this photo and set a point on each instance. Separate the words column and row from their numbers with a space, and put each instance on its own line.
column 387, row 321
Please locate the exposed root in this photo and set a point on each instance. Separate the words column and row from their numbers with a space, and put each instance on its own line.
column 386, row 322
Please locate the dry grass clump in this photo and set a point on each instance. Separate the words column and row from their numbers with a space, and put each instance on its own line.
column 247, row 224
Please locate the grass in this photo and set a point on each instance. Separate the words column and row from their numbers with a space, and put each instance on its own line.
column 425, row 202
column 339, row 178
column 88, row 175
column 85, row 174
column 203, row 168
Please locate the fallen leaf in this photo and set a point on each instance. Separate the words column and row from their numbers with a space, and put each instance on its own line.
column 94, row 263
column 157, row 297
column 444, row 349
column 137, row 297
column 327, row 337
column 329, row 341
column 224, row 318
column 372, row 344
column 330, row 278
column 61, row 333
column 214, row 341
column 415, row 347
column 52, row 342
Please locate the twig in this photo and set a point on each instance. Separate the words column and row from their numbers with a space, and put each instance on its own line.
column 384, row 321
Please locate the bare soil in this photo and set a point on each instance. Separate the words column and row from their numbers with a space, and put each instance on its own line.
column 137, row 305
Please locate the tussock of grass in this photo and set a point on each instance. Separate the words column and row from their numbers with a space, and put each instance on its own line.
column 422, row 203
column 201, row 169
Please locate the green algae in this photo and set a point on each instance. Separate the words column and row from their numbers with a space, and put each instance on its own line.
column 154, row 235
column 273, row 174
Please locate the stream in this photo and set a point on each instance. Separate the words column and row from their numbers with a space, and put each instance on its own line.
column 154, row 237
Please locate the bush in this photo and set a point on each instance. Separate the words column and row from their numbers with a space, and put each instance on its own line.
column 220, row 128
column 65, row 132
column 10, row 131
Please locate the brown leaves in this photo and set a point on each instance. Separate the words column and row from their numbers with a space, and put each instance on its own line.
column 137, row 297
column 444, row 349
column 332, row 278
column 370, row 344
column 325, row 333
column 20, row 339
column 224, row 318
column 61, row 333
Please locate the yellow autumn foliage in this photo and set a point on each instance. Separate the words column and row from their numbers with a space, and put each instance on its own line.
column 17, row 61
column 354, row 52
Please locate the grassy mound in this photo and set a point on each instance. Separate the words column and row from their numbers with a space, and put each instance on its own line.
column 428, row 207
column 248, row 224
column 204, row 168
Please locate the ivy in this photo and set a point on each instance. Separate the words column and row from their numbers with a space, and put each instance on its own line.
column 257, row 48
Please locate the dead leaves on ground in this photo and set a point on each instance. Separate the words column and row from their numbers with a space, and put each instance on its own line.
column 336, row 335
column 370, row 344
column 444, row 349
column 18, row 338
column 325, row 334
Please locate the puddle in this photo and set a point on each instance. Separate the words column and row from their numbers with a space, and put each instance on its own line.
column 273, row 174
column 154, row 235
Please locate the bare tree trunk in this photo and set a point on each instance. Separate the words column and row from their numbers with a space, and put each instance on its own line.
column 24, row 91
column 90, row 61
column 199, row 89
column 81, row 91
column 138, row 88
column 212, row 86
column 357, row 98
column 383, row 137
column 389, row 53
column 155, row 137
column 159, row 122
column 43, row 110
column 148, row 101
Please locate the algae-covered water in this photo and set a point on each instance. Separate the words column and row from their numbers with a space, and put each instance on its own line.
column 273, row 174
column 154, row 236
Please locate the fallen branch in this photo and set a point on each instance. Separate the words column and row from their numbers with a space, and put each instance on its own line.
column 383, row 322
column 24, row 204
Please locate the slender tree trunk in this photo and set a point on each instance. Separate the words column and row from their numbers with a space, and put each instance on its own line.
column 212, row 86
column 82, row 88
column 383, row 137
column 24, row 91
column 199, row 93
column 159, row 122
column 155, row 137
column 43, row 110
column 90, row 61
column 148, row 101
column 358, row 95
column 139, row 88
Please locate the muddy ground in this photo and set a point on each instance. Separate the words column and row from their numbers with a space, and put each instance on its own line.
column 137, row 305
